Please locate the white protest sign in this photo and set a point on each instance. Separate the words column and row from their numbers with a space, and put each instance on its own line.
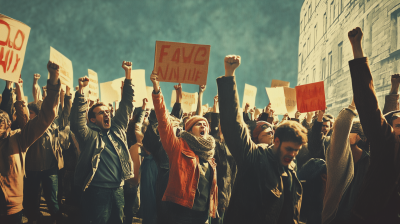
column 290, row 99
column 111, row 91
column 66, row 71
column 279, row 83
column 149, row 90
column 139, row 82
column 277, row 99
column 188, row 103
column 13, row 40
column 249, row 95
column 93, row 85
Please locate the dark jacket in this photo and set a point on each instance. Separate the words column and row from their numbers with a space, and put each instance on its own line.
column 379, row 199
column 258, row 193
column 89, row 137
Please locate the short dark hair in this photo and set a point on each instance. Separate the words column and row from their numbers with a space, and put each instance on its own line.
column 291, row 131
column 34, row 107
column 4, row 115
column 328, row 117
column 91, row 114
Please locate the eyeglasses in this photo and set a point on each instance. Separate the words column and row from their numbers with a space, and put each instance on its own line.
column 102, row 112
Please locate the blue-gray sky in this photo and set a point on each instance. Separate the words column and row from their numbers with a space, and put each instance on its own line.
column 101, row 34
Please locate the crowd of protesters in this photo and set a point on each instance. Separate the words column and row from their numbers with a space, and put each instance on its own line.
column 224, row 165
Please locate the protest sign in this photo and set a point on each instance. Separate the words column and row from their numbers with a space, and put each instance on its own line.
column 93, row 85
column 13, row 40
column 290, row 100
column 188, row 103
column 181, row 62
column 66, row 72
column 139, row 86
column 249, row 95
column 149, row 90
column 111, row 91
column 277, row 99
column 279, row 83
column 310, row 97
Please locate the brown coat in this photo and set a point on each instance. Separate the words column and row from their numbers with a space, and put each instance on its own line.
column 13, row 148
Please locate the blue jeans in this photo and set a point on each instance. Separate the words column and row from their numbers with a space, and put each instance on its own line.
column 49, row 179
column 102, row 205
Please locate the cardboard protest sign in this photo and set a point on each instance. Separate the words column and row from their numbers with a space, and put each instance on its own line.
column 182, row 62
column 13, row 40
column 279, row 83
column 139, row 82
column 310, row 97
column 93, row 85
column 277, row 99
column 290, row 100
column 66, row 71
column 249, row 95
column 188, row 103
column 149, row 90
column 111, row 91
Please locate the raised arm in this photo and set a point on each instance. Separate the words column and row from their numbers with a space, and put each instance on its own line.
column 236, row 134
column 125, row 109
column 375, row 126
column 134, row 151
column 66, row 112
column 392, row 99
column 167, row 135
column 177, row 108
column 316, row 137
column 21, row 108
column 37, row 126
column 7, row 99
column 36, row 91
column 339, row 163
column 199, row 110
column 78, row 112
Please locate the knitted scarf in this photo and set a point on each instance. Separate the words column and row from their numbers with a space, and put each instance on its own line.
column 202, row 147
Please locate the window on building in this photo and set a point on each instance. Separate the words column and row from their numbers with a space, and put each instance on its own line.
column 398, row 30
column 301, row 25
column 308, row 46
column 305, row 49
column 305, row 19
column 332, row 12
column 340, row 48
column 395, row 31
column 309, row 12
column 330, row 65
column 323, row 69
column 315, row 35
column 307, row 79
column 325, row 23
column 314, row 73
column 301, row 62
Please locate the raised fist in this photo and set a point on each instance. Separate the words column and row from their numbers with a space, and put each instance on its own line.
column 154, row 77
column 297, row 115
column 83, row 82
column 355, row 35
column 54, row 70
column 231, row 63
column 202, row 88
column 36, row 77
column 127, row 65
column 395, row 79
column 145, row 101
column 178, row 87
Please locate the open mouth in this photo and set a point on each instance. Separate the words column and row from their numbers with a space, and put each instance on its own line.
column 202, row 133
column 106, row 121
column 287, row 159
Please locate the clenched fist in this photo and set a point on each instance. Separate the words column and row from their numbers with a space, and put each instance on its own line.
column 231, row 63
column 54, row 71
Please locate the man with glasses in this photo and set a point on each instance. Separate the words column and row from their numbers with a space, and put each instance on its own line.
column 104, row 163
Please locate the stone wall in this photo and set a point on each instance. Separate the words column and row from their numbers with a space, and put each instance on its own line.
column 324, row 49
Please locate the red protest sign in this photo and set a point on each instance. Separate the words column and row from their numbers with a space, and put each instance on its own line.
column 310, row 97
column 181, row 62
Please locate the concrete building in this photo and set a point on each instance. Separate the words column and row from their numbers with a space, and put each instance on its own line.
column 324, row 48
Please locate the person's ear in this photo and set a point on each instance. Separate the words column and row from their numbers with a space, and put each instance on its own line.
column 277, row 141
column 93, row 120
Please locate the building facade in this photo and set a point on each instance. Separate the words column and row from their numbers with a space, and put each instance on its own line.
column 324, row 48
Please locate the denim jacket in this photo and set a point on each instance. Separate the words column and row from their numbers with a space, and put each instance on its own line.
column 89, row 137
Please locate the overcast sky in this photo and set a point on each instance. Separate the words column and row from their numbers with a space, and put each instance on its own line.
column 100, row 34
